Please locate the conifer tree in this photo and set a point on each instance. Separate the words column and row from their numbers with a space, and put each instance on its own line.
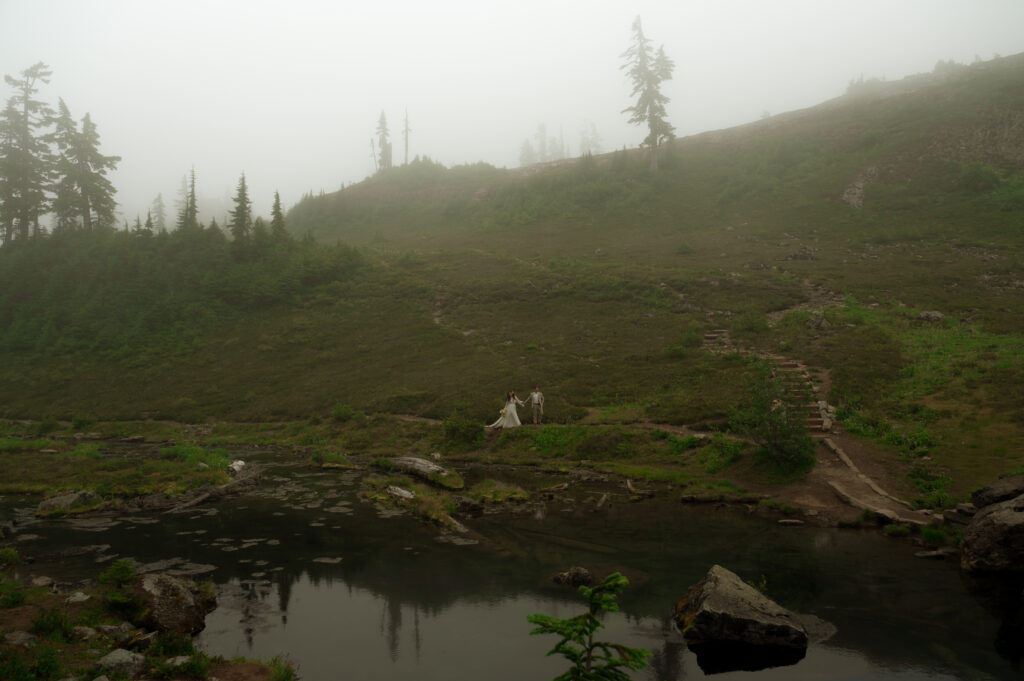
column 159, row 213
column 240, row 224
column 25, row 159
column 383, row 142
column 188, row 214
column 83, row 194
column 277, row 224
column 647, row 70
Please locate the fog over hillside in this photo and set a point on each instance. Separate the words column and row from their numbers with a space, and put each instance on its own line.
column 292, row 94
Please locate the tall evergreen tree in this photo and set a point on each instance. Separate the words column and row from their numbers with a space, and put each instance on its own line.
column 25, row 159
column 83, row 194
column 159, row 213
column 277, row 224
column 383, row 142
column 240, row 223
column 188, row 213
column 648, row 70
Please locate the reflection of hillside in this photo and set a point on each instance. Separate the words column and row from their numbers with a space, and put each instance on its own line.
column 895, row 609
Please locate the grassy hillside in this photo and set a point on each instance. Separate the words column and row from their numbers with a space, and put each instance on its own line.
column 819, row 235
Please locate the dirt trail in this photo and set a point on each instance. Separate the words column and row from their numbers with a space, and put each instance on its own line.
column 847, row 479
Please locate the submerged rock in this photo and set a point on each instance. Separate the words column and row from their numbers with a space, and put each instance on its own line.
column 994, row 541
column 730, row 625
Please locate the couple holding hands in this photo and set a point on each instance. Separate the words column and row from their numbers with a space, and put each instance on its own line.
column 508, row 418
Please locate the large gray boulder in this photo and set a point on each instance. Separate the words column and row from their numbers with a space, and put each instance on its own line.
column 1000, row 490
column 122, row 663
column 172, row 603
column 730, row 625
column 994, row 540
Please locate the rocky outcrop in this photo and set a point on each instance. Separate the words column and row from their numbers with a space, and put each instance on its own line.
column 1000, row 490
column 172, row 603
column 730, row 625
column 994, row 540
column 65, row 502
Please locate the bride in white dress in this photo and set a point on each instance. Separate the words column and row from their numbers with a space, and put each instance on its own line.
column 508, row 418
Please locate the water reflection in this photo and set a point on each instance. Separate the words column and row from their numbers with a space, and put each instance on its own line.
column 305, row 569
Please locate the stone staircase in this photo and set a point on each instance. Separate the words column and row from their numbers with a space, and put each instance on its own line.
column 798, row 379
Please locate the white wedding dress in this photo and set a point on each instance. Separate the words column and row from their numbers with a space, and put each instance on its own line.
column 508, row 418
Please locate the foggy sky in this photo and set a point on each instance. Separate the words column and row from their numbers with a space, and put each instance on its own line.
column 290, row 92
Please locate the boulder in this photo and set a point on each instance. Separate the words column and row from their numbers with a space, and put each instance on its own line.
column 400, row 493
column 417, row 466
column 930, row 316
column 66, row 502
column 1000, row 490
column 994, row 540
column 575, row 577
column 429, row 471
column 122, row 663
column 172, row 603
column 730, row 625
column 81, row 633
column 19, row 638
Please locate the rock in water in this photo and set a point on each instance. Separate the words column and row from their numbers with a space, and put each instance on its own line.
column 731, row 626
column 574, row 576
column 994, row 540
column 173, row 603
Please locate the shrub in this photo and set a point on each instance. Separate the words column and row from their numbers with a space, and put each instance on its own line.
column 119, row 574
column 172, row 643
column 45, row 427
column 933, row 536
column 197, row 667
column 896, row 530
column 720, row 454
column 775, row 419
column 281, row 669
column 383, row 464
column 342, row 413
column 8, row 556
column 43, row 665
column 678, row 445
column 592, row 660
column 462, row 431
column 52, row 623
column 10, row 595
column 978, row 178
column 81, row 422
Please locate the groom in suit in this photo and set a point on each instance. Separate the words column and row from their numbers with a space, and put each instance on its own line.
column 536, row 399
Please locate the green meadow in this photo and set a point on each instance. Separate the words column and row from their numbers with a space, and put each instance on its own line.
column 427, row 291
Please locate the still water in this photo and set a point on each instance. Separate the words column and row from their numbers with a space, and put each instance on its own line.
column 345, row 590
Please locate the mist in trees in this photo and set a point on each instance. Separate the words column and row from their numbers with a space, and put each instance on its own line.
column 49, row 163
column 383, row 143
